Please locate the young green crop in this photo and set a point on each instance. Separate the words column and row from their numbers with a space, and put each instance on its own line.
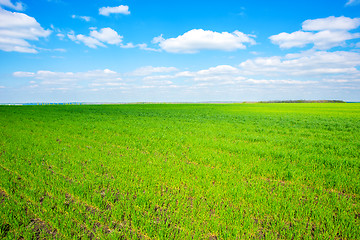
column 180, row 171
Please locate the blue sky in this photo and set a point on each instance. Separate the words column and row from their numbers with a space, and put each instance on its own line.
column 176, row 51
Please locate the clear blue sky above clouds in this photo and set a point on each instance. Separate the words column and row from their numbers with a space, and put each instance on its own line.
column 169, row 51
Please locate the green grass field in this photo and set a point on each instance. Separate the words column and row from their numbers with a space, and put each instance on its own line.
column 180, row 171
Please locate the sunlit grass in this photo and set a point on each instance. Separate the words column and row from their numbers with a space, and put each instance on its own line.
column 183, row 171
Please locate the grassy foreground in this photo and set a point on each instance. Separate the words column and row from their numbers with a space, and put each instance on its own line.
column 180, row 171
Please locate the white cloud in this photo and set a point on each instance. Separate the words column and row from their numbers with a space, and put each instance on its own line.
column 222, row 74
column 23, row 74
column 219, row 70
column 144, row 46
column 60, row 36
column 322, row 40
column 310, row 63
column 160, row 80
column 289, row 40
column 107, row 35
column 122, row 9
column 158, row 39
column 85, row 18
column 219, row 74
column 89, row 41
column 72, row 36
column 223, row 82
column 103, row 84
column 198, row 39
column 104, row 77
column 331, row 23
column 102, row 37
column 352, row 2
column 16, row 29
column 7, row 3
column 271, row 81
column 66, row 81
column 341, row 80
column 128, row 45
column 97, row 38
column 147, row 70
column 331, row 32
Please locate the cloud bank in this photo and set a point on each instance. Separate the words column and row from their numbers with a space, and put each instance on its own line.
column 309, row 63
column 323, row 33
column 312, row 72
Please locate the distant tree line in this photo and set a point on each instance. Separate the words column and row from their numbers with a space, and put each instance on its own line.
column 305, row 101
column 45, row 103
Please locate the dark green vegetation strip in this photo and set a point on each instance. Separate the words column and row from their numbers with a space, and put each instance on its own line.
column 162, row 171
